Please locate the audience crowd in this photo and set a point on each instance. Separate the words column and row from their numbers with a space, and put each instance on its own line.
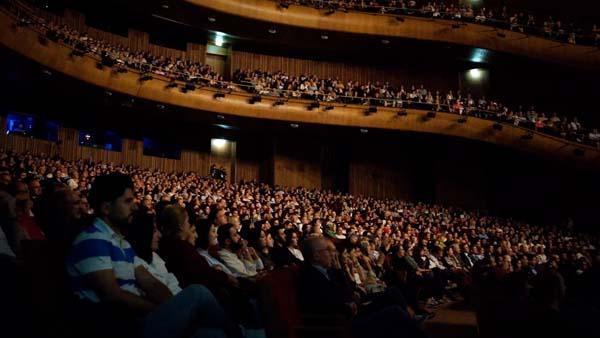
column 463, row 11
column 182, row 255
column 312, row 87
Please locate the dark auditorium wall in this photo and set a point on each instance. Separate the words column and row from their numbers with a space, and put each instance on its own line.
column 296, row 163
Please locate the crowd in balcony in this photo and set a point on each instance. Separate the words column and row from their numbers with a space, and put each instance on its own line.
column 154, row 245
column 463, row 11
column 312, row 87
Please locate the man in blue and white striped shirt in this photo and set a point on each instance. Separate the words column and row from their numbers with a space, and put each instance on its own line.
column 103, row 268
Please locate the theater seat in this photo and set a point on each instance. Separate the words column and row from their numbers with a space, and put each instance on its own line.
column 282, row 315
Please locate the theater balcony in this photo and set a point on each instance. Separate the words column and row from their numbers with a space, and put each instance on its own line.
column 203, row 101
column 396, row 28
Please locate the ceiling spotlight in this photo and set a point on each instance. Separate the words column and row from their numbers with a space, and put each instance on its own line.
column 211, row 19
column 330, row 11
column 364, row 131
column 371, row 110
column 501, row 34
column 385, row 41
column 272, row 30
column 462, row 119
column 455, row 25
column 497, row 126
column 219, row 96
column 329, row 108
column 402, row 112
column 279, row 102
column 294, row 125
column 145, row 77
column 165, row 5
column 220, row 117
column 313, row 105
column 284, row 4
column 431, row 114
column 171, row 84
column 400, row 18
column 324, row 37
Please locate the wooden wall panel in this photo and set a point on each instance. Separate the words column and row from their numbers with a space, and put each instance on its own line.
column 196, row 52
column 293, row 172
column 131, row 153
column 248, row 170
column 345, row 72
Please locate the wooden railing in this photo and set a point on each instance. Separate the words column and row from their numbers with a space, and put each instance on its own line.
column 58, row 57
column 474, row 35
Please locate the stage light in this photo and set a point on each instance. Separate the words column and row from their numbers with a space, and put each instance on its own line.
column 219, row 39
column 219, row 96
column 218, row 143
column 371, row 110
column 431, row 115
column 402, row 112
column 294, row 125
column 211, row 19
column 329, row 108
column 313, row 105
column 272, row 30
column 364, row 131
column 462, row 119
column 527, row 136
column 400, row 18
column 279, row 102
column 497, row 126
column 475, row 74
column 172, row 84
column 385, row 41
column 324, row 36
column 284, row 5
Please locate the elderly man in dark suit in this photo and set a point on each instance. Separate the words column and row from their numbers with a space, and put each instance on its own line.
column 322, row 290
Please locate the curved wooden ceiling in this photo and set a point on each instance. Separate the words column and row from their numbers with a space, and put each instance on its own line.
column 56, row 56
column 473, row 35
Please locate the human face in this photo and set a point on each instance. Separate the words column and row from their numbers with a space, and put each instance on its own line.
column 73, row 204
column 270, row 241
column 221, row 218
column 156, row 235
column 120, row 211
column 212, row 236
column 324, row 254
column 35, row 188
column 235, row 238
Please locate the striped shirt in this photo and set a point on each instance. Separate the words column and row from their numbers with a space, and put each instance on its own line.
column 100, row 248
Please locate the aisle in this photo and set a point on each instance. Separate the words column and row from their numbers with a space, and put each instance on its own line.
column 453, row 320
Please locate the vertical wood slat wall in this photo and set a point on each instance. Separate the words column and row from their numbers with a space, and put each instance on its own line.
column 132, row 152
column 136, row 40
column 405, row 76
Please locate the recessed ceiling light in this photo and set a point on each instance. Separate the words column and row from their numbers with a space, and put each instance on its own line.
column 165, row 5
column 272, row 30
column 294, row 125
column 385, row 41
column 364, row 131
column 324, row 37
column 211, row 19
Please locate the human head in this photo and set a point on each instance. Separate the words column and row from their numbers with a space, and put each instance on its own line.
column 228, row 237
column 174, row 223
column 316, row 251
column 291, row 238
column 207, row 235
column 217, row 216
column 143, row 236
column 112, row 198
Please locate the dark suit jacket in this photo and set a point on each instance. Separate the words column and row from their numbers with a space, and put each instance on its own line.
column 318, row 294
column 465, row 259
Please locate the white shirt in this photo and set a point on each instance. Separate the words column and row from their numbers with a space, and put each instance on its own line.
column 158, row 269
column 4, row 247
column 240, row 268
column 297, row 253
column 214, row 262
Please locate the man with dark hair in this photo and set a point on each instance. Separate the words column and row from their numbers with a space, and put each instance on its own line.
column 230, row 243
column 217, row 216
column 106, row 275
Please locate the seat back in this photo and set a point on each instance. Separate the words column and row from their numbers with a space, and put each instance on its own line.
column 279, row 302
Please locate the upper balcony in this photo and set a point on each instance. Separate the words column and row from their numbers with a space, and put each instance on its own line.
column 233, row 102
column 385, row 26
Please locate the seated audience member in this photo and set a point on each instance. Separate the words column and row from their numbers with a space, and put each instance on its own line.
column 262, row 242
column 144, row 238
column 281, row 253
column 181, row 256
column 25, row 217
column 291, row 239
column 107, row 277
column 242, row 260
column 321, row 292
column 207, row 242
